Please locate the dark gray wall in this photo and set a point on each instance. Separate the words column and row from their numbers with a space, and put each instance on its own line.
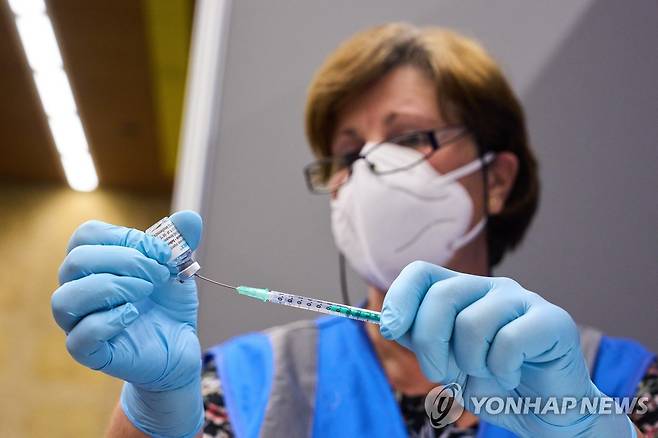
column 593, row 116
column 585, row 71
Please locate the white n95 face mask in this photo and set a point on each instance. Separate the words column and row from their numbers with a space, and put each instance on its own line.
column 381, row 223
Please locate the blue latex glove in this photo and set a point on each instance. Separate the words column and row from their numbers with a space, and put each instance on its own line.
column 126, row 315
column 495, row 338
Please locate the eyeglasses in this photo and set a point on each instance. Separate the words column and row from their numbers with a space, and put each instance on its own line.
column 328, row 174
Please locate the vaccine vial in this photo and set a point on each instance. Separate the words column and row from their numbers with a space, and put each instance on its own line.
column 181, row 255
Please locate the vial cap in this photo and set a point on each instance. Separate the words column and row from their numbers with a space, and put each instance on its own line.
column 189, row 271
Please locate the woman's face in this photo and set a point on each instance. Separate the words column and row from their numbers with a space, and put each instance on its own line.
column 404, row 101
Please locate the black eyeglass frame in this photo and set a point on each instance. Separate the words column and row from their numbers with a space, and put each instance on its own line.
column 350, row 159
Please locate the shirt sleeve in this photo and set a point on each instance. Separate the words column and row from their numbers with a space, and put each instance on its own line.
column 217, row 423
column 645, row 416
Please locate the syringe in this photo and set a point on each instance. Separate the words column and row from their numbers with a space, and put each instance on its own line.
column 301, row 302
column 185, row 266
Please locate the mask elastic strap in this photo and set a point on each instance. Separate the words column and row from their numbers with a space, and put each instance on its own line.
column 461, row 172
column 469, row 168
column 468, row 237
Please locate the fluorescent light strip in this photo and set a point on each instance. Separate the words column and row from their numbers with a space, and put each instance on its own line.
column 42, row 51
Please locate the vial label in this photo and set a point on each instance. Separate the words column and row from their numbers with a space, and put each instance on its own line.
column 164, row 229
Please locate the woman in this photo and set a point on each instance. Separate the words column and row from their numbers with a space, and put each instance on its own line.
column 422, row 148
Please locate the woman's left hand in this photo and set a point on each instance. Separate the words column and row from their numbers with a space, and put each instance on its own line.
column 496, row 339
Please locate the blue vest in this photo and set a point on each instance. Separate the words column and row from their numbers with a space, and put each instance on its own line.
column 352, row 396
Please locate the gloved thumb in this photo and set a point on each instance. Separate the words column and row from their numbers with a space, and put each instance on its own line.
column 406, row 294
column 190, row 225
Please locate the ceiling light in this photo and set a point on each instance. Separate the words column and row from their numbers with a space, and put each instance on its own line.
column 55, row 93
column 27, row 7
column 42, row 51
column 80, row 173
column 39, row 42
column 68, row 135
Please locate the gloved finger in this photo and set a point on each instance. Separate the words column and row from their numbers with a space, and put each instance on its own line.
column 190, row 225
column 477, row 325
column 179, row 298
column 98, row 259
column 543, row 334
column 405, row 295
column 87, row 342
column 101, row 233
column 432, row 329
column 77, row 298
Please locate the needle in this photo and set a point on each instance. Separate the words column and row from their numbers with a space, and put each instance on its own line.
column 215, row 282
column 302, row 302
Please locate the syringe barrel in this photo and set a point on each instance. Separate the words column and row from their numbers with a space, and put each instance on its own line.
column 181, row 255
column 322, row 306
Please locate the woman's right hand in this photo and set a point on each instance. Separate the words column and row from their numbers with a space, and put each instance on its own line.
column 127, row 315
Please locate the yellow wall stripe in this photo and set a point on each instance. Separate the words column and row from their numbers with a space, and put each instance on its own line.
column 168, row 27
